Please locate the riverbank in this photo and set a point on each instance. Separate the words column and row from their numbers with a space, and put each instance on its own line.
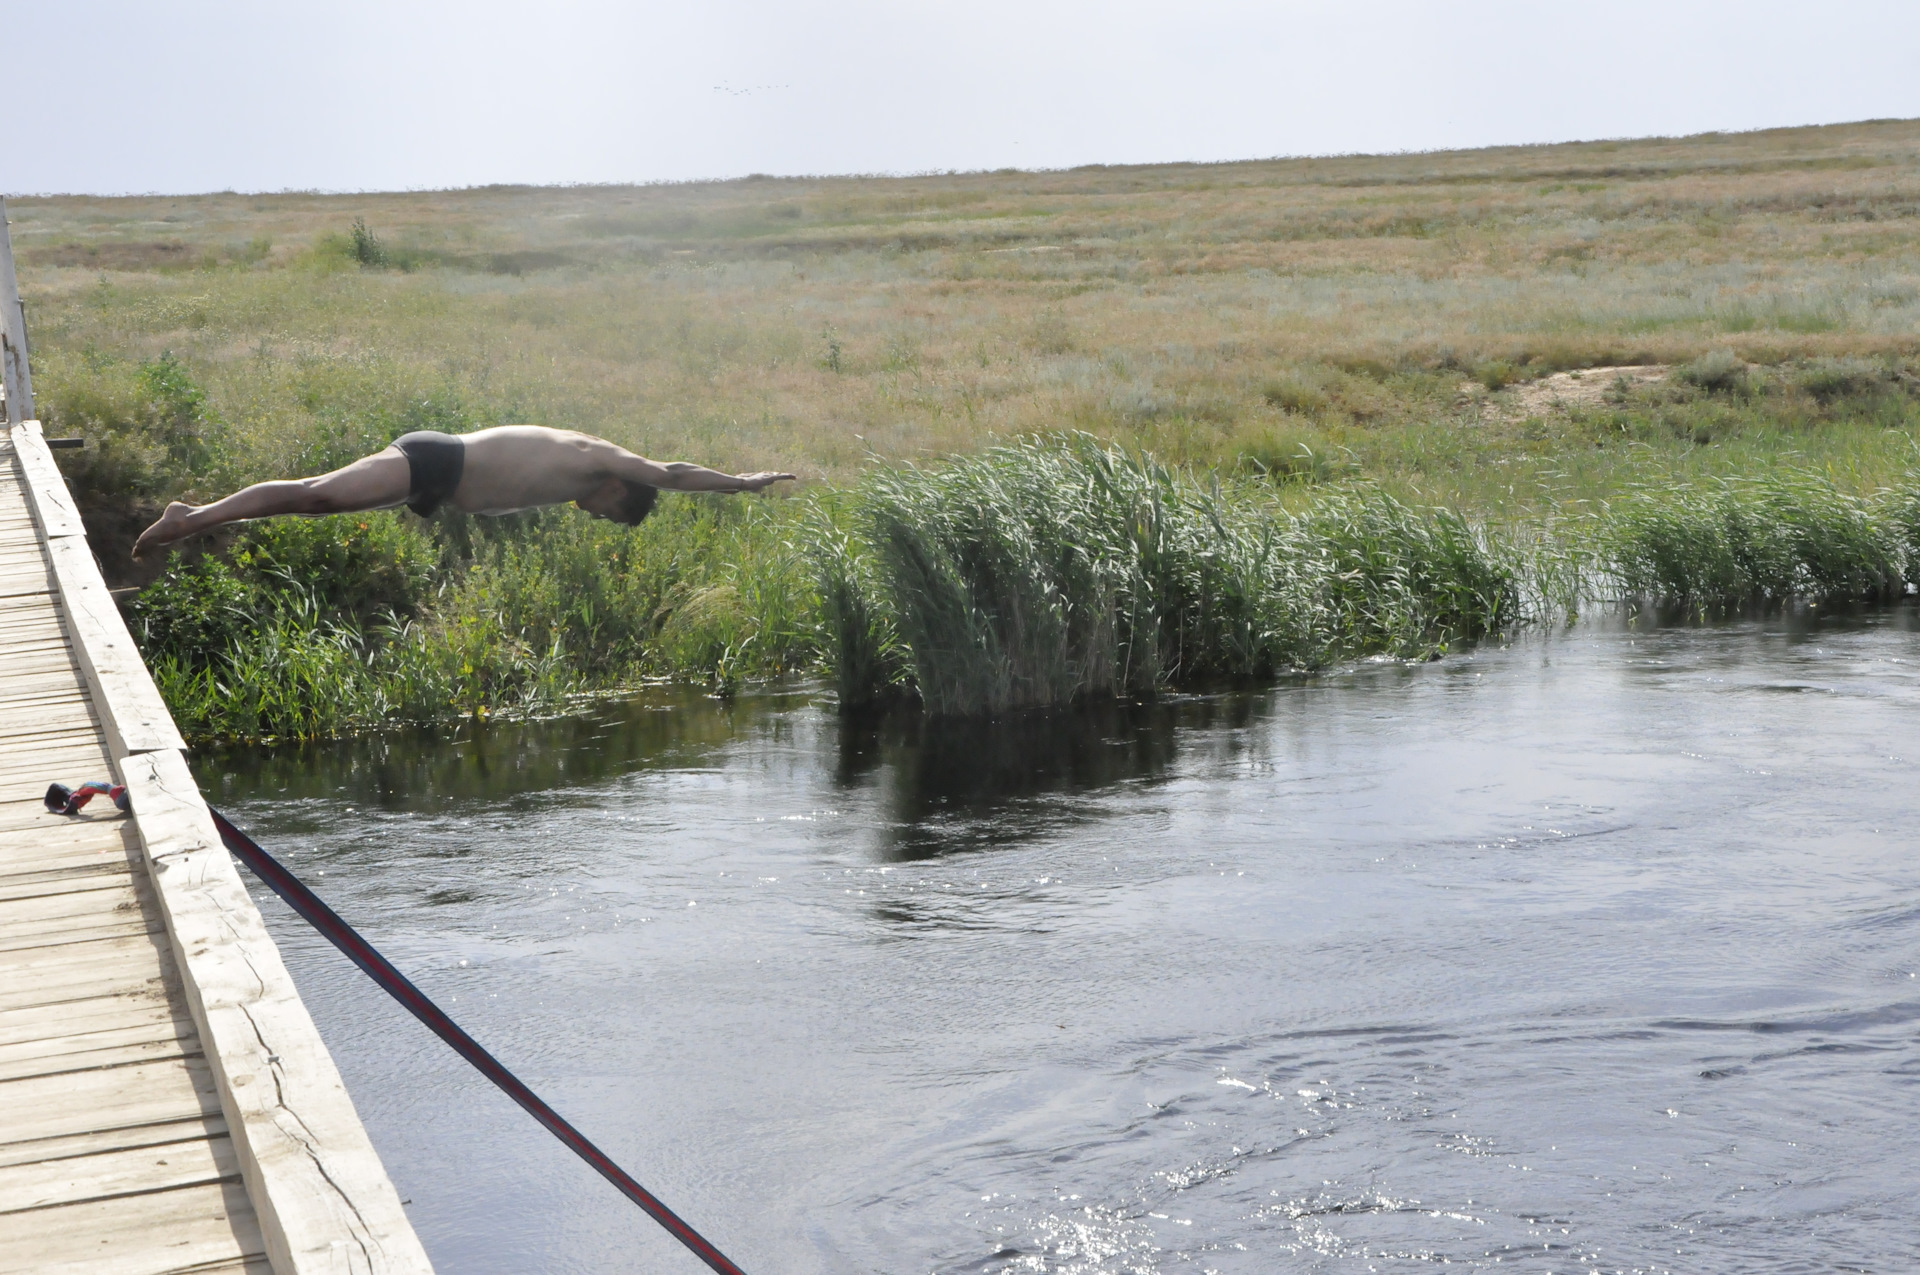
column 1520, row 342
column 1051, row 571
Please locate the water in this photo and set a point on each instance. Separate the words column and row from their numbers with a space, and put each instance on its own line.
column 1593, row 953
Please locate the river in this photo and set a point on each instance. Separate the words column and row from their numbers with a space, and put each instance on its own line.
column 1592, row 952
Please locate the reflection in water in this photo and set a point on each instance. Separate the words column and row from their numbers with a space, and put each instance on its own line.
column 963, row 785
column 428, row 771
column 1598, row 952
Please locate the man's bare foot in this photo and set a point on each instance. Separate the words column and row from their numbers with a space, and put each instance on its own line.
column 170, row 527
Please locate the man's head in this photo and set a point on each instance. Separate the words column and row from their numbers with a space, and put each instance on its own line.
column 621, row 500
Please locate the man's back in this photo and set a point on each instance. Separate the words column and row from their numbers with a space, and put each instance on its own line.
column 514, row 467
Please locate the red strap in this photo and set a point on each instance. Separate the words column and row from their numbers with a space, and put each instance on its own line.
column 395, row 984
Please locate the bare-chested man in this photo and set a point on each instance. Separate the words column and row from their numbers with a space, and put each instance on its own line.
column 494, row 471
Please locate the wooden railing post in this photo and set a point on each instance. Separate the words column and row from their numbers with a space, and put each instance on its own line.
column 13, row 333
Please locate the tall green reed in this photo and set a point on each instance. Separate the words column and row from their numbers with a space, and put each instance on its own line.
column 1037, row 573
column 1057, row 568
column 1727, row 544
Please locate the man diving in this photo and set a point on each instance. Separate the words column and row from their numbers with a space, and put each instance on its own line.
column 492, row 471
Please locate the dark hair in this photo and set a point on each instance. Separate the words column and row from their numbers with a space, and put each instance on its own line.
column 637, row 503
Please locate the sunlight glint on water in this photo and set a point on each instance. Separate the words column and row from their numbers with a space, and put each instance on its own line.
column 1595, row 953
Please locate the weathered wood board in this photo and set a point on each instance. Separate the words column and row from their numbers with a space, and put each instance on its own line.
column 159, row 1114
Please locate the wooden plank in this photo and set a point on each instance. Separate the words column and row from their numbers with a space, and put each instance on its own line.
column 21, row 891
column 61, row 863
column 55, row 834
column 65, row 700
column 46, row 915
column 38, row 622
column 49, row 889
column 105, row 1058
column 17, row 590
column 32, row 773
column 21, row 938
column 39, row 730
column 11, row 693
column 96, row 1101
column 23, row 933
column 70, row 761
column 49, row 856
column 131, row 710
column 159, row 1133
column 47, row 494
column 87, row 1016
column 101, row 874
column 64, row 842
column 193, row 1229
column 27, row 816
column 33, row 727
column 107, row 1174
column 74, row 984
column 84, row 1051
column 311, row 1171
column 38, row 964
column 16, row 682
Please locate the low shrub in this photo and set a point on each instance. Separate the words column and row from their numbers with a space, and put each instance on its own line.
column 1296, row 394
column 1498, row 374
column 1829, row 380
column 1717, row 372
column 1293, row 455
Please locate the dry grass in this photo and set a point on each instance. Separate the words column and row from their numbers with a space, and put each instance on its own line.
column 1312, row 317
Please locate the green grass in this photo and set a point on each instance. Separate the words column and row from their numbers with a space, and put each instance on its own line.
column 324, row 626
column 1036, row 574
column 1335, row 366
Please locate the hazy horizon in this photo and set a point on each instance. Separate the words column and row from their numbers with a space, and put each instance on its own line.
column 930, row 172
column 361, row 95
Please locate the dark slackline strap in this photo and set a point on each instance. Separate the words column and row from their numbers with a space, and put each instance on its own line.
column 395, row 984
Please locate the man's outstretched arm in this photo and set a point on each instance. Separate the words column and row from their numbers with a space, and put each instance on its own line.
column 680, row 475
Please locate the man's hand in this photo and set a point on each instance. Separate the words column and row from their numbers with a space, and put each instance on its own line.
column 754, row 482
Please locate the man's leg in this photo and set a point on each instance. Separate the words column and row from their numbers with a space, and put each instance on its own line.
column 372, row 482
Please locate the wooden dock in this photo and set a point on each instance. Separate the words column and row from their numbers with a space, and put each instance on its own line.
column 166, row 1105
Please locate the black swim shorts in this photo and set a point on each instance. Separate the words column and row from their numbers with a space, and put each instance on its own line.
column 435, row 462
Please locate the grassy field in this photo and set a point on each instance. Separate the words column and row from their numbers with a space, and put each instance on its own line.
column 1405, row 322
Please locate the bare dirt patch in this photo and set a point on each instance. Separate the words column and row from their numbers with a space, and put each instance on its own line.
column 1564, row 391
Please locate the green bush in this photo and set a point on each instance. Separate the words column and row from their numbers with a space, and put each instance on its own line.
column 1829, row 380
column 358, row 566
column 192, row 610
column 1296, row 394
column 1717, row 372
column 1498, row 375
column 366, row 246
column 1040, row 573
column 1293, row 455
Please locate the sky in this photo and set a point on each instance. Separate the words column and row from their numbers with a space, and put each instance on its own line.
column 181, row 96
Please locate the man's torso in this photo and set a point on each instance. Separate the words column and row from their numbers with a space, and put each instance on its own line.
column 515, row 467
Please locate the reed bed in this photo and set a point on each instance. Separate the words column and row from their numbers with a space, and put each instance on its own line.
column 1048, row 571
column 1052, row 570
column 1789, row 537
